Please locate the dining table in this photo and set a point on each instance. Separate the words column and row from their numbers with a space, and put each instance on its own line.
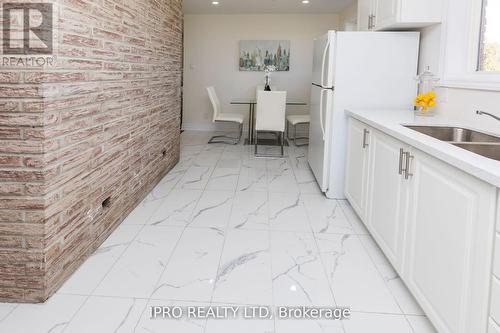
column 252, row 102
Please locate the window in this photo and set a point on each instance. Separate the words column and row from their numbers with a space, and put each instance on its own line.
column 469, row 45
column 489, row 42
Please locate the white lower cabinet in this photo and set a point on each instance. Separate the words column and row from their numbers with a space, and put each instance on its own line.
column 387, row 193
column 449, row 245
column 358, row 138
column 435, row 224
column 495, row 300
column 498, row 212
column 496, row 259
column 493, row 327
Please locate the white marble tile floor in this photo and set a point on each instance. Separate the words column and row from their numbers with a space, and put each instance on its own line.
column 226, row 228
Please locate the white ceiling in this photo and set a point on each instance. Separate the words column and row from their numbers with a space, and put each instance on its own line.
column 264, row 6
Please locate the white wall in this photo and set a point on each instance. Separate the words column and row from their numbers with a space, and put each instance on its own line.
column 211, row 58
column 348, row 18
column 458, row 104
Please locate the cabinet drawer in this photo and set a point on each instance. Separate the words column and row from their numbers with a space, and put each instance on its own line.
column 495, row 300
column 493, row 327
column 496, row 259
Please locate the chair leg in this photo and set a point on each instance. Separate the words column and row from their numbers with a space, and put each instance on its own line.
column 281, row 141
column 256, row 141
column 225, row 138
column 295, row 135
column 282, row 136
column 295, row 138
column 240, row 135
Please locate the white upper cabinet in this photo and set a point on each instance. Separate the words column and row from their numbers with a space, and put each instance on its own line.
column 398, row 14
column 364, row 14
column 385, row 13
column 358, row 141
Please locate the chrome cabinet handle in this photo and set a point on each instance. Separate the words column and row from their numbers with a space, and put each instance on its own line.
column 409, row 158
column 365, row 141
column 371, row 22
column 401, row 156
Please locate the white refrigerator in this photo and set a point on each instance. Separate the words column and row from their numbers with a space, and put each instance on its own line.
column 355, row 70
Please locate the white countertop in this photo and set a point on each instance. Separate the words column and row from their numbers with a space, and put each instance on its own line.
column 391, row 122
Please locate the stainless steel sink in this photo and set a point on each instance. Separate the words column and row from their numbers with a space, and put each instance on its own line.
column 455, row 134
column 487, row 150
column 477, row 142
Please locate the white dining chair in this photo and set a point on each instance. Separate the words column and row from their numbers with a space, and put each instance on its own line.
column 270, row 117
column 219, row 116
column 294, row 121
column 261, row 87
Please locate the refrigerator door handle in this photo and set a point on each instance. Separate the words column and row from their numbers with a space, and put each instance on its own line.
column 325, row 53
column 322, row 125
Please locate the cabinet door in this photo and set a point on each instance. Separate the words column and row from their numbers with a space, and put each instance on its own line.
column 357, row 165
column 386, row 12
column 387, row 196
column 364, row 12
column 449, row 244
column 424, row 11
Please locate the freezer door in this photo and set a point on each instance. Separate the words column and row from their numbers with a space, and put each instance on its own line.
column 323, row 69
column 321, row 103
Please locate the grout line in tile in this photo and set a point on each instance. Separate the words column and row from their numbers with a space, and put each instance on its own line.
column 176, row 245
column 9, row 312
column 160, row 275
column 325, row 271
column 383, row 313
column 114, row 263
column 226, row 231
column 273, row 294
column 103, row 296
column 380, row 272
column 410, row 325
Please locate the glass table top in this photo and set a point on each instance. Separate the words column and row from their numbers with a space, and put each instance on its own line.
column 254, row 101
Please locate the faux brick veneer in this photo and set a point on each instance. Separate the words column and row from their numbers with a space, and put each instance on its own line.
column 83, row 141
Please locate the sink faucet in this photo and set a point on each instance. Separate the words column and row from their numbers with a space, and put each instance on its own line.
column 487, row 114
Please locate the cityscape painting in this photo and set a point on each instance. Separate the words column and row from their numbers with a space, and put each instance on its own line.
column 256, row 55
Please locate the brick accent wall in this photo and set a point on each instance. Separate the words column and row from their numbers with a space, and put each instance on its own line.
column 83, row 141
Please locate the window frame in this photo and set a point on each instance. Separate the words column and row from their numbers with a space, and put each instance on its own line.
column 460, row 48
column 480, row 32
